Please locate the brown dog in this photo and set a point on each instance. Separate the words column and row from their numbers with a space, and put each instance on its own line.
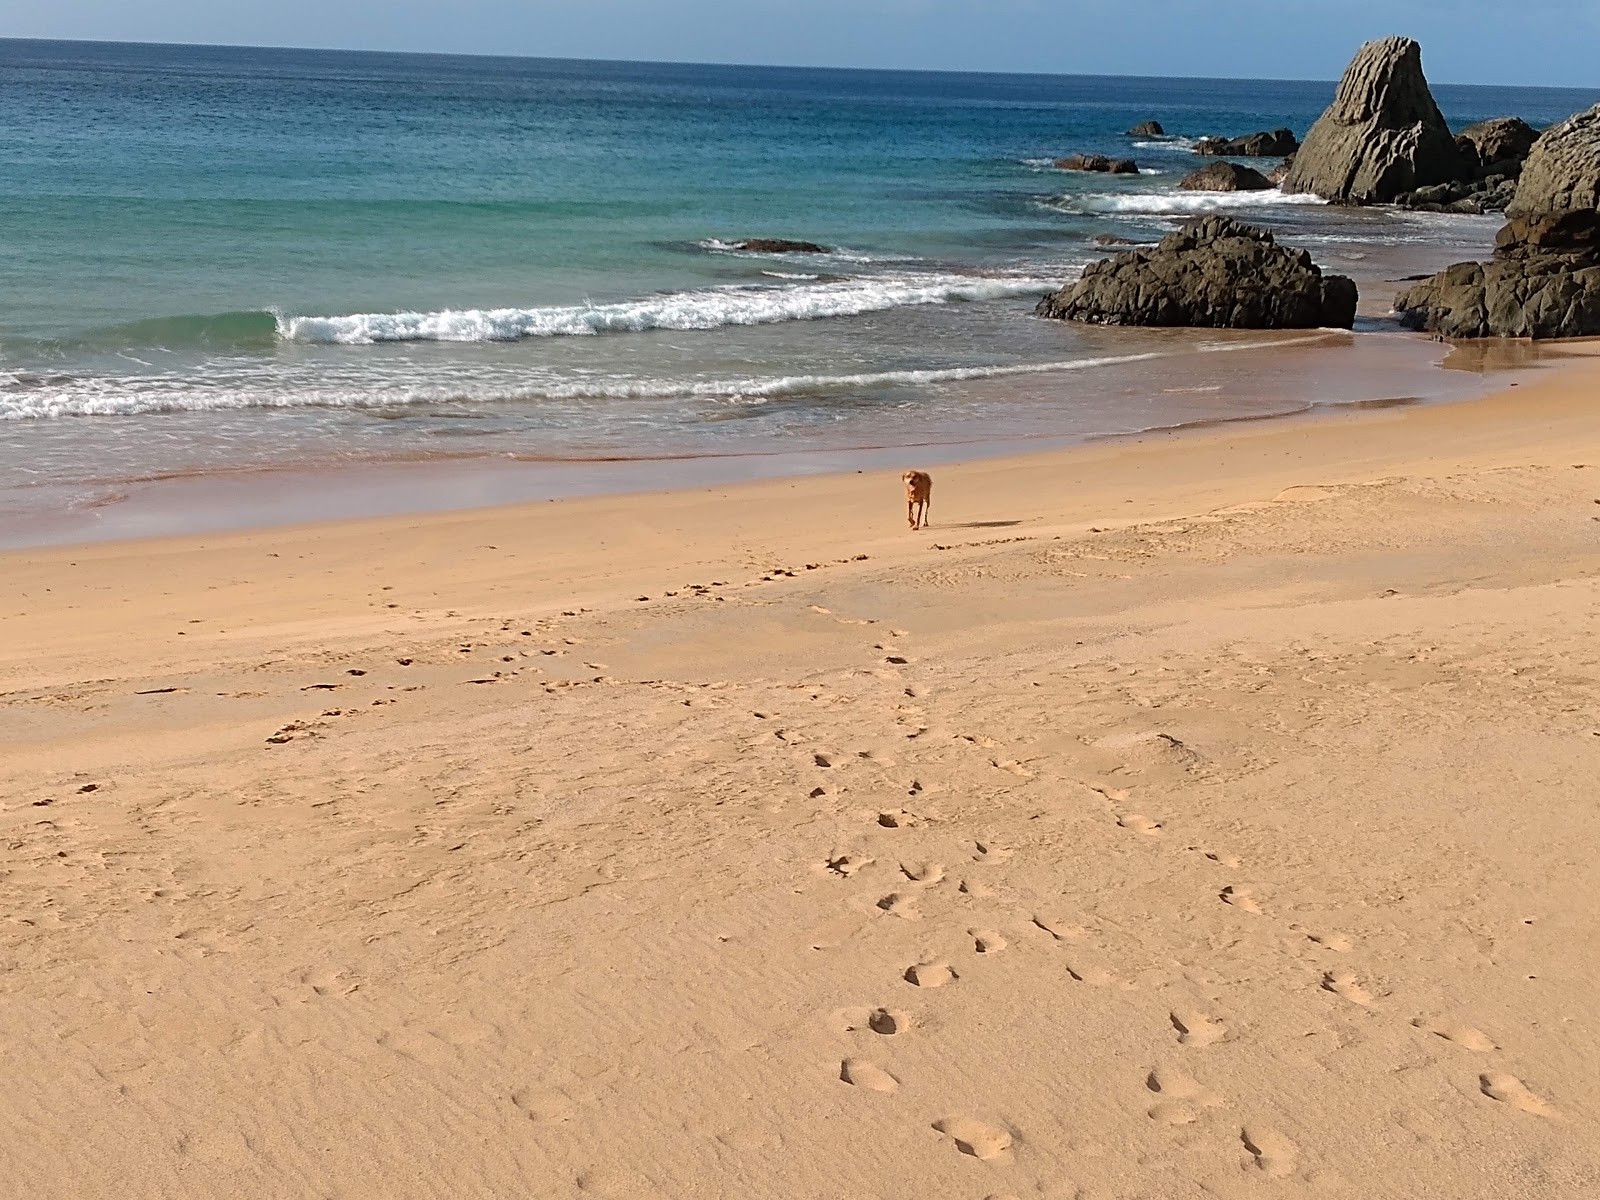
column 919, row 497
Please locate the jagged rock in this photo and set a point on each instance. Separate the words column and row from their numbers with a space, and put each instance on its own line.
column 1545, row 280
column 1098, row 162
column 1279, row 173
column 1213, row 273
column 1147, row 129
column 1276, row 144
column 779, row 246
column 1493, row 144
column 1543, row 297
column 1112, row 239
column 1562, row 171
column 1382, row 136
column 1225, row 177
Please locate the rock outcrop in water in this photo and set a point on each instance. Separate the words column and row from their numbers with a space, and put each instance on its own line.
column 1492, row 147
column 1382, row 136
column 1098, row 163
column 779, row 246
column 1492, row 154
column 1544, row 281
column 1279, row 143
column 1213, row 273
column 1147, row 129
column 1225, row 177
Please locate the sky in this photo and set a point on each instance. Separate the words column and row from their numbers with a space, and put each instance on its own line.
column 1549, row 42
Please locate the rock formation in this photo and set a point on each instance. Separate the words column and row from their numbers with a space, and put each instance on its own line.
column 1098, row 162
column 1544, row 281
column 1225, row 177
column 1383, row 134
column 1277, row 144
column 1147, row 129
column 1492, row 154
column 779, row 246
column 1491, row 146
column 1213, row 273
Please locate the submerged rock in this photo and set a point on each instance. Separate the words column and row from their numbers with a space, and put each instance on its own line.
column 1225, row 177
column 779, row 246
column 1544, row 281
column 1276, row 144
column 1147, row 129
column 1213, row 273
column 1099, row 163
column 1382, row 136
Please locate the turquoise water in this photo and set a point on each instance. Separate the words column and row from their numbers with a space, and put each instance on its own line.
column 222, row 258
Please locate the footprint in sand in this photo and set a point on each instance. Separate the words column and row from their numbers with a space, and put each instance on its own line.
column 1197, row 1029
column 885, row 1022
column 847, row 864
column 971, row 887
column 1336, row 942
column 982, row 1141
column 1059, row 928
column 1270, row 1152
column 1011, row 766
column 858, row 1072
column 898, row 904
column 1140, row 824
column 1241, row 898
column 931, row 975
column 989, row 852
column 926, row 874
column 1231, row 861
column 1347, row 987
column 1183, row 1098
column 986, row 941
column 1464, row 1036
column 899, row 819
column 1094, row 976
column 1508, row 1089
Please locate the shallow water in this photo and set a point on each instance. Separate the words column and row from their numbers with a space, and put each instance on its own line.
column 220, row 258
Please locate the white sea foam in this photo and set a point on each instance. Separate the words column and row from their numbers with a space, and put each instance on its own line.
column 836, row 253
column 67, row 396
column 1171, row 143
column 1157, row 204
column 707, row 309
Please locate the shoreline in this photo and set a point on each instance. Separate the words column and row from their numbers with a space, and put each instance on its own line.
column 244, row 498
column 1228, row 771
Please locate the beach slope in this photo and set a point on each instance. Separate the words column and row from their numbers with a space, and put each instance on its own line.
column 1201, row 815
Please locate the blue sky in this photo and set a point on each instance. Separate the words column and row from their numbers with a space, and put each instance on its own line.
column 1555, row 42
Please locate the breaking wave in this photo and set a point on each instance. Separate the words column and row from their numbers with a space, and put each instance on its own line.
column 695, row 310
column 1161, row 204
column 37, row 397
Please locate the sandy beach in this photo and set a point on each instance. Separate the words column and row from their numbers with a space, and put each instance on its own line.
column 1206, row 814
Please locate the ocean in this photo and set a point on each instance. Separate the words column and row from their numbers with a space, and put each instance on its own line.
column 223, row 261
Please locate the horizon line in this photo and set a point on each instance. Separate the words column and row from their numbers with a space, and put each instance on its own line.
column 684, row 62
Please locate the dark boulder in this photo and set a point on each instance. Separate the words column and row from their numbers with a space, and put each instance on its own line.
column 1382, row 136
column 1276, row 144
column 1225, row 177
column 1113, row 239
column 1099, row 163
column 1147, row 129
column 1544, row 281
column 1544, row 297
column 1500, row 141
column 779, row 246
column 1562, row 171
column 1213, row 273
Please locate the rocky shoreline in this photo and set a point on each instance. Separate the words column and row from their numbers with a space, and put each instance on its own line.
column 1383, row 141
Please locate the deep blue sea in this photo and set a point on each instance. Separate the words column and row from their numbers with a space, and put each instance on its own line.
column 215, row 259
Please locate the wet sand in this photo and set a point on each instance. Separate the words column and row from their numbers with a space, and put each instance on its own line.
column 1198, row 814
